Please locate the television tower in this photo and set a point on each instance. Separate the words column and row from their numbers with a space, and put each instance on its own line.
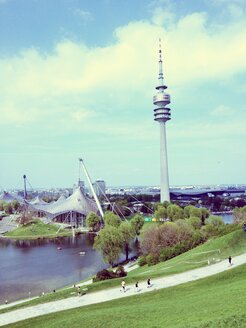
column 161, row 115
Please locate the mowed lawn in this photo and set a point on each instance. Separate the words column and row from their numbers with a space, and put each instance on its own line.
column 218, row 301
column 36, row 229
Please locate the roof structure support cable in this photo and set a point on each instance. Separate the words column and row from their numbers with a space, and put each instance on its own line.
column 92, row 189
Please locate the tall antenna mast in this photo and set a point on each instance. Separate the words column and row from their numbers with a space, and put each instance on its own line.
column 162, row 114
column 25, row 192
column 92, row 189
column 160, row 64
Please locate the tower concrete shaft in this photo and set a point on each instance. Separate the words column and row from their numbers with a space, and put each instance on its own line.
column 165, row 195
column 161, row 115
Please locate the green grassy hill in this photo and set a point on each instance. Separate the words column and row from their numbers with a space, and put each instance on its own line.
column 217, row 301
column 213, row 250
column 37, row 229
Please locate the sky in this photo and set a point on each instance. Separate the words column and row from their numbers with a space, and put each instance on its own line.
column 77, row 79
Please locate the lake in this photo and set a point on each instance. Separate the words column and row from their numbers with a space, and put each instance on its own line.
column 30, row 267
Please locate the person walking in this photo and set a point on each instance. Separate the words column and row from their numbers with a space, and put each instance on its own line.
column 148, row 283
column 136, row 286
column 230, row 260
column 123, row 285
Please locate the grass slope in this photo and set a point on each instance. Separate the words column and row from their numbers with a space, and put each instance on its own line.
column 214, row 249
column 233, row 243
column 217, row 301
column 37, row 229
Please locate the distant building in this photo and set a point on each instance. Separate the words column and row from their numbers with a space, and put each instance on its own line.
column 73, row 209
column 99, row 187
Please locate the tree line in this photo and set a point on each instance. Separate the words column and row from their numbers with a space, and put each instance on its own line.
column 177, row 230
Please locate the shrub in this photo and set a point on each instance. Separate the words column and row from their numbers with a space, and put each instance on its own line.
column 152, row 259
column 104, row 275
column 142, row 261
column 166, row 253
column 180, row 248
column 120, row 271
column 197, row 238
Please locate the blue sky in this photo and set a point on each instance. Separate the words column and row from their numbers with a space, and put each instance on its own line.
column 77, row 80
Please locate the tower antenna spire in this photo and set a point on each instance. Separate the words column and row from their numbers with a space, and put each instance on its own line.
column 160, row 63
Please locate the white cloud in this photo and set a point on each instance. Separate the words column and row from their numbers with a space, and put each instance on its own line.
column 74, row 79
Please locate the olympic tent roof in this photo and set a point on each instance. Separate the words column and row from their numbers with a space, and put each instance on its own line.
column 77, row 202
column 7, row 197
column 38, row 201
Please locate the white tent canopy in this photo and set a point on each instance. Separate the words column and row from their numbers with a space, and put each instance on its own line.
column 77, row 203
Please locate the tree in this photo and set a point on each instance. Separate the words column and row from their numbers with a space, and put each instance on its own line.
column 111, row 219
column 93, row 221
column 195, row 212
column 121, row 208
column 217, row 201
column 25, row 218
column 195, row 222
column 137, row 223
column 157, row 237
column 214, row 220
column 2, row 203
column 127, row 233
column 239, row 215
column 161, row 212
column 187, row 211
column 166, row 203
column 205, row 214
column 7, row 208
column 191, row 210
column 109, row 243
column 15, row 204
column 214, row 225
column 174, row 212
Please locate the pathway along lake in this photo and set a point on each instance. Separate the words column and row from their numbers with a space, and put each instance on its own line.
column 30, row 267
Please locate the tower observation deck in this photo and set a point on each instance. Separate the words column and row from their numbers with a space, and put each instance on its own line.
column 162, row 114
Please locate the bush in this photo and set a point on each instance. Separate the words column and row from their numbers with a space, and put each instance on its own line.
column 181, row 248
column 106, row 274
column 103, row 275
column 152, row 259
column 166, row 254
column 142, row 261
column 120, row 271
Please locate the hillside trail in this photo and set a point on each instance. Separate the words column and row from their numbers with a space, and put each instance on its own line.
column 116, row 292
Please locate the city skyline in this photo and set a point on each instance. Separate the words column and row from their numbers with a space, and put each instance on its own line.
column 77, row 81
